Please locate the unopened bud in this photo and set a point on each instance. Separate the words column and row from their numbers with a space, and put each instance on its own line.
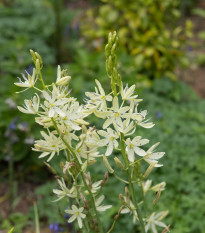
column 63, row 81
column 113, row 49
column 119, row 163
column 33, row 55
column 149, row 169
column 160, row 186
column 38, row 68
column 40, row 59
column 109, row 168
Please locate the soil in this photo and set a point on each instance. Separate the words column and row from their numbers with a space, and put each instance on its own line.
column 195, row 75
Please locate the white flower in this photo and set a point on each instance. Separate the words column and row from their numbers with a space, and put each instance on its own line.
column 146, row 185
column 27, row 82
column 64, row 191
column 130, row 209
column 127, row 127
column 76, row 214
column 133, row 147
column 50, row 146
column 73, row 115
column 91, row 138
column 144, row 123
column 115, row 114
column 127, row 93
column 152, row 157
column 54, row 103
column 100, row 207
column 82, row 151
column 110, row 140
column 96, row 186
column 66, row 133
column 154, row 220
column 97, row 99
column 31, row 106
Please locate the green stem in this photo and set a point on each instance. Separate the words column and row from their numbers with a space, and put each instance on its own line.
column 41, row 79
column 36, row 218
column 130, row 182
column 82, row 176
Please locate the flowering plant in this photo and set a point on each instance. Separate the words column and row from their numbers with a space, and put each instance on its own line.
column 66, row 128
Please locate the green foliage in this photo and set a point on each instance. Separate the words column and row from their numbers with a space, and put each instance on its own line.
column 18, row 220
column 180, row 126
column 146, row 29
column 22, row 26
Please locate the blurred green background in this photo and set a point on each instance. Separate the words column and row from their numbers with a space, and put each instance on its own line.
column 161, row 50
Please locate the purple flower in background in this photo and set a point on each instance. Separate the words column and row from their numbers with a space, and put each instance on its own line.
column 12, row 125
column 55, row 228
column 159, row 115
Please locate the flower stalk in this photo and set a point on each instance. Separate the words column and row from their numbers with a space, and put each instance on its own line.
column 65, row 131
column 130, row 183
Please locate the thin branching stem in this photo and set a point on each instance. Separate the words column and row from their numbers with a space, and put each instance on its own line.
column 82, row 176
column 130, row 182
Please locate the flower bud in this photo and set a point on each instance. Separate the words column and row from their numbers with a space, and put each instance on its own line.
column 160, row 186
column 109, row 168
column 119, row 163
column 38, row 69
column 63, row 81
column 149, row 169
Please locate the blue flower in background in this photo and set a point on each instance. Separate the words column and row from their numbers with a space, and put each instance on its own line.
column 55, row 228
column 12, row 125
column 67, row 216
column 159, row 115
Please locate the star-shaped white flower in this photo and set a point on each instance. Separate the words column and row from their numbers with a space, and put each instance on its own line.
column 31, row 106
column 77, row 213
column 127, row 94
column 116, row 114
column 27, row 82
column 152, row 157
column 64, row 191
column 133, row 147
column 97, row 99
column 155, row 220
column 109, row 139
column 50, row 146
column 54, row 103
column 100, row 207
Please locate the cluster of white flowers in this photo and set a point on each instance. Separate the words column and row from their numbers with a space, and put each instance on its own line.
column 66, row 129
